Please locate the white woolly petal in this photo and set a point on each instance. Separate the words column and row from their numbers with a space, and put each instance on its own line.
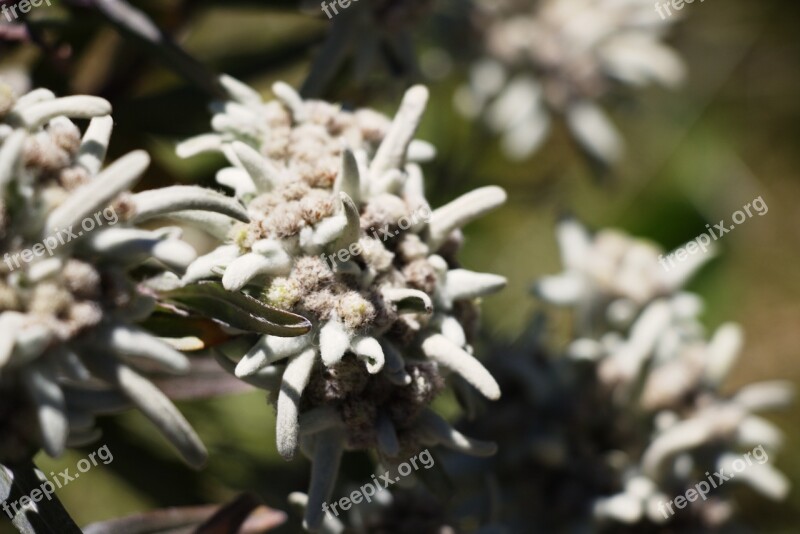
column 94, row 196
column 159, row 202
column 76, row 107
column 369, row 350
column 244, row 269
column 199, row 145
column 33, row 97
column 94, row 144
column 349, row 179
column 238, row 180
column 763, row 478
column 214, row 224
column 269, row 350
column 443, row 351
column 574, row 242
column 520, row 98
column 10, row 324
column 333, row 341
column 525, row 138
column 755, row 430
column 594, row 131
column 765, row 395
column 421, row 151
column 462, row 211
column 291, row 99
column 329, row 230
column 261, row 171
column 722, row 352
column 204, row 266
column 10, row 152
column 452, row 330
column 392, row 152
column 241, row 92
column 465, row 285
column 563, row 290
column 295, row 379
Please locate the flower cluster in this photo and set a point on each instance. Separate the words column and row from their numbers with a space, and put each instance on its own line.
column 69, row 348
column 560, row 57
column 632, row 414
column 391, row 319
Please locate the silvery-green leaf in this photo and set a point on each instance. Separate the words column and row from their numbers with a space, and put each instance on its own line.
column 153, row 404
column 137, row 347
column 442, row 433
column 319, row 419
column 324, row 469
column 329, row 230
column 50, row 407
column 387, row 436
column 238, row 310
column 214, row 224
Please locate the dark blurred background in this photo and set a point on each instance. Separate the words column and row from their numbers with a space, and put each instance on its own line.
column 695, row 155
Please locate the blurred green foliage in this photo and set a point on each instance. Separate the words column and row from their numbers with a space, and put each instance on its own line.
column 695, row 156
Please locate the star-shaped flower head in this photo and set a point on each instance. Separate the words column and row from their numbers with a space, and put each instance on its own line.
column 559, row 58
column 342, row 234
column 69, row 347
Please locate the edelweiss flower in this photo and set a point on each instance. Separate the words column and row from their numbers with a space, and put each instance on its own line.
column 559, row 57
column 341, row 233
column 634, row 415
column 612, row 272
column 374, row 33
column 68, row 345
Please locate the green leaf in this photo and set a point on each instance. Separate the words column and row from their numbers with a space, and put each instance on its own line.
column 236, row 309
